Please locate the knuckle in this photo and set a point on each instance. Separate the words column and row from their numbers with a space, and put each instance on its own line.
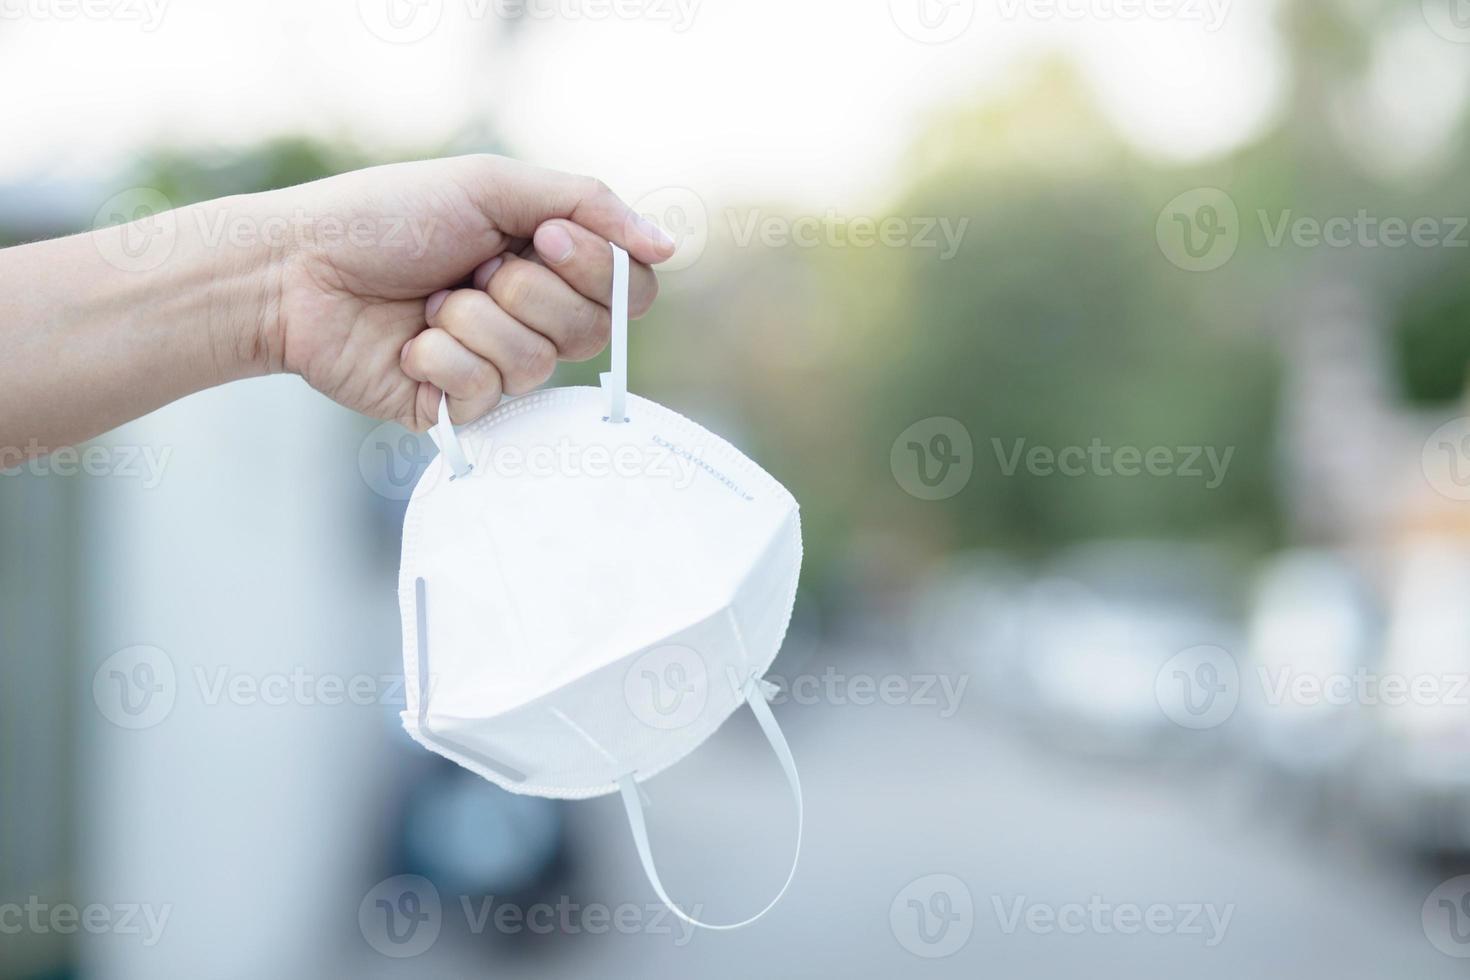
column 482, row 378
column 589, row 334
column 537, row 360
column 458, row 307
column 643, row 301
column 596, row 187
column 513, row 284
column 479, row 373
column 424, row 353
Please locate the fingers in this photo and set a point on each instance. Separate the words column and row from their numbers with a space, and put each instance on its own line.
column 472, row 383
column 513, row 246
column 585, row 261
column 542, row 300
column 523, row 357
column 505, row 335
column 519, row 197
column 482, row 275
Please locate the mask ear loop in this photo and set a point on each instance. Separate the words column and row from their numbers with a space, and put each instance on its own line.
column 448, row 443
column 756, row 693
column 615, row 381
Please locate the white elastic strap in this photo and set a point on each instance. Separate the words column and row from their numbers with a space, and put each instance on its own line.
column 615, row 381
column 448, row 443
column 762, row 711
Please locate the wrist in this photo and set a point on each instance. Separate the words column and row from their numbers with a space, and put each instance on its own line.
column 243, row 253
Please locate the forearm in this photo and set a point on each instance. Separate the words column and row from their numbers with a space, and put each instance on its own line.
column 100, row 328
column 388, row 290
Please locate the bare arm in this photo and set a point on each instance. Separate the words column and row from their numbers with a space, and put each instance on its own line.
column 382, row 288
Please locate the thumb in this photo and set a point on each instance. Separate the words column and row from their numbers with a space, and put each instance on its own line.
column 518, row 197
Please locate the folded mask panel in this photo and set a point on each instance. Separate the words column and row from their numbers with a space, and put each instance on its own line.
column 590, row 585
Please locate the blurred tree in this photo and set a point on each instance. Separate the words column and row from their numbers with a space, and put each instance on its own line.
column 1058, row 322
column 187, row 177
column 1425, row 294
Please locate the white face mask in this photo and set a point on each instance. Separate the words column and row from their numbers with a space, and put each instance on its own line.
column 590, row 585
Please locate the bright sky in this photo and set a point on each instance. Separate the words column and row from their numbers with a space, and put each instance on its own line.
column 810, row 101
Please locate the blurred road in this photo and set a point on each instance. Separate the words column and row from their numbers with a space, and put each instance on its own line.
column 1088, row 853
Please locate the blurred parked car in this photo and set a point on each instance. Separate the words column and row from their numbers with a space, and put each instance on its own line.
column 1312, row 637
column 966, row 619
column 1101, row 626
column 1417, row 772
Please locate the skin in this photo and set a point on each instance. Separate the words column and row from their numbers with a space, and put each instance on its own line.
column 382, row 288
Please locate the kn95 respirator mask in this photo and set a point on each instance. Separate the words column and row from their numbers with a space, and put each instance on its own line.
column 590, row 585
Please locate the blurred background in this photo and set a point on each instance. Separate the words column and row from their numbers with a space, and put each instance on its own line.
column 1116, row 352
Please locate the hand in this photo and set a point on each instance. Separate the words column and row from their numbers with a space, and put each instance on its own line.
column 381, row 288
column 471, row 276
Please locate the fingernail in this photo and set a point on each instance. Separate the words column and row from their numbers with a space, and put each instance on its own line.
column 656, row 234
column 484, row 272
column 435, row 301
column 554, row 244
column 403, row 354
